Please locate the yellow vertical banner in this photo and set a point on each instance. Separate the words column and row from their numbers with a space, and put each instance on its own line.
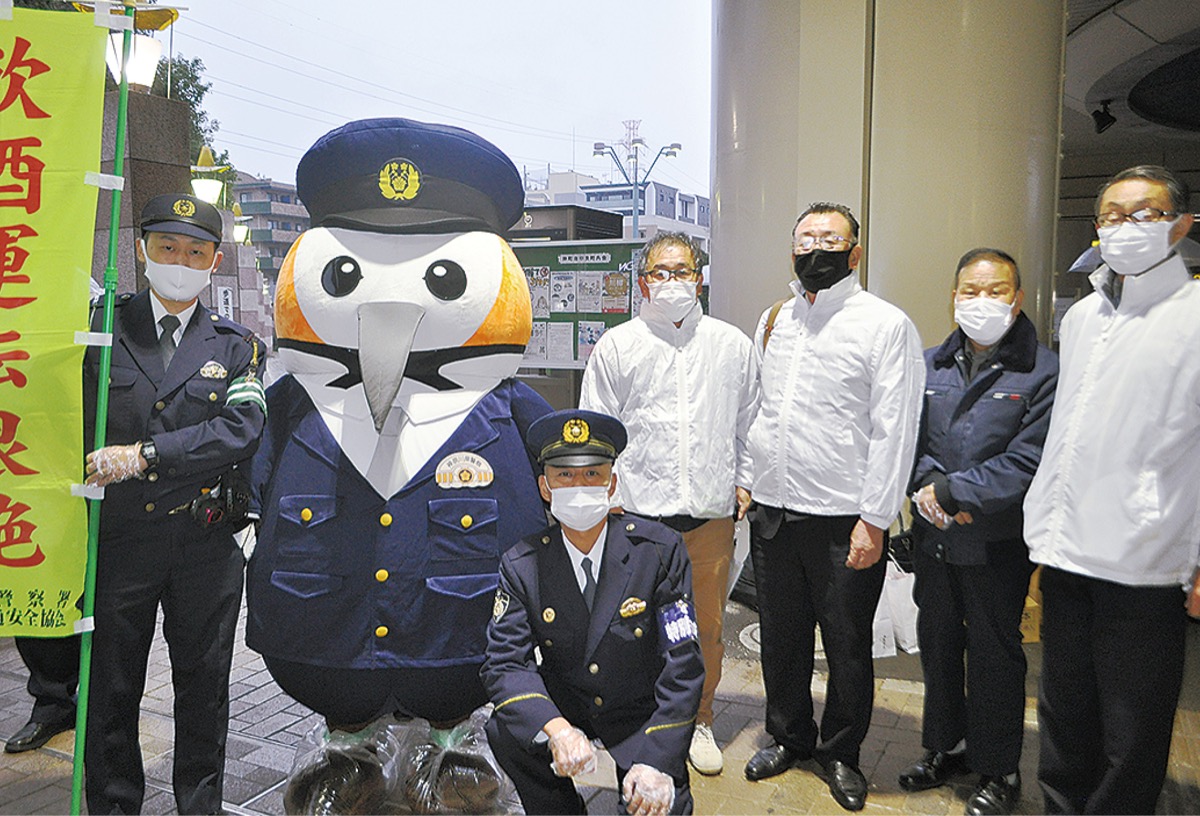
column 51, row 115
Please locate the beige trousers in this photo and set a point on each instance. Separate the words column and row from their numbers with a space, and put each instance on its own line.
column 710, row 549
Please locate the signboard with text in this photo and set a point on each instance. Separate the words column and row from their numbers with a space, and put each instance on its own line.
column 51, row 114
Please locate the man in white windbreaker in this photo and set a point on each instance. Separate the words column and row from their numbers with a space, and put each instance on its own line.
column 685, row 385
column 841, row 376
column 1113, row 510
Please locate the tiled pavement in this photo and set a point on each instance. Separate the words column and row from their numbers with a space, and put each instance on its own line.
column 266, row 725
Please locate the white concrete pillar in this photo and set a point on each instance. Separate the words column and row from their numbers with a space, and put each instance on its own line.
column 936, row 121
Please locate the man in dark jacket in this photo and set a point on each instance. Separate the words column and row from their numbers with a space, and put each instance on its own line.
column 988, row 393
column 607, row 602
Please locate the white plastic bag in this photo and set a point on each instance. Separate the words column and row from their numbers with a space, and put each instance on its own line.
column 898, row 589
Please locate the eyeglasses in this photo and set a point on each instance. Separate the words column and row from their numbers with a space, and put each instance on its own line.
column 658, row 274
column 807, row 243
column 1114, row 219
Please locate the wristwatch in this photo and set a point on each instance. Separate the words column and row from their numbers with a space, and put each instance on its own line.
column 150, row 453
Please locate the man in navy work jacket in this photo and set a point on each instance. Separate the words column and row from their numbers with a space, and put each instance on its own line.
column 183, row 408
column 593, row 635
column 988, row 393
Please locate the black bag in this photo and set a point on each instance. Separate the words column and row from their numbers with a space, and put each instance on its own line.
column 227, row 503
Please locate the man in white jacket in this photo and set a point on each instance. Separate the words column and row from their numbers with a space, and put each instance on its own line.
column 685, row 386
column 1112, row 512
column 841, row 375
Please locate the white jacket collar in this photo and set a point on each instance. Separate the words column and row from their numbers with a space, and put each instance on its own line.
column 665, row 328
column 1139, row 292
column 831, row 299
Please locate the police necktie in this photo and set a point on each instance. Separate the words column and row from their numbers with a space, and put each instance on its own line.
column 166, row 341
column 589, row 583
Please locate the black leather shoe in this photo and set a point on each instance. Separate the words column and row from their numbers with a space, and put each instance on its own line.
column 847, row 785
column 771, row 761
column 994, row 796
column 932, row 770
column 36, row 734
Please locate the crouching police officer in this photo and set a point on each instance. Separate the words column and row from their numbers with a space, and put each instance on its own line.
column 606, row 601
column 184, row 407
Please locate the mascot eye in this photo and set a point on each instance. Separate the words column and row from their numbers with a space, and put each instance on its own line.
column 341, row 276
column 446, row 280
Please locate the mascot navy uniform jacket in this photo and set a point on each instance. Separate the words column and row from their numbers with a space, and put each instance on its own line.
column 427, row 554
column 630, row 673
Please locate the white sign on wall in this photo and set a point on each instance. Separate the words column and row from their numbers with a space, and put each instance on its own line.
column 225, row 302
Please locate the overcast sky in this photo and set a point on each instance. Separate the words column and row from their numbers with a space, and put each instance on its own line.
column 542, row 79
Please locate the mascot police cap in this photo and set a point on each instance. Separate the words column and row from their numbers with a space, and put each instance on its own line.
column 402, row 176
column 182, row 215
column 576, row 438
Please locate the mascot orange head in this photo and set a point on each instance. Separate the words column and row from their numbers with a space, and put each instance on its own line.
column 403, row 284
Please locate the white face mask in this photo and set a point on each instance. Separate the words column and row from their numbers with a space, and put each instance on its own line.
column 985, row 320
column 1132, row 248
column 579, row 508
column 673, row 298
column 175, row 281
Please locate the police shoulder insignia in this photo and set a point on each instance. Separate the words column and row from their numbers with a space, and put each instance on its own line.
column 399, row 180
column 500, row 606
column 548, row 614
column 677, row 622
column 213, row 370
column 464, row 469
column 576, row 431
column 183, row 207
column 632, row 606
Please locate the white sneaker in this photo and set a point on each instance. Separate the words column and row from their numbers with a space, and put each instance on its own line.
column 704, row 754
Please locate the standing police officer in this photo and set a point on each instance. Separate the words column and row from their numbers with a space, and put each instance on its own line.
column 184, row 407
column 606, row 600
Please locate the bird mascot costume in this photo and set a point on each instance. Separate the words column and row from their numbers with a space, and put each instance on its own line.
column 393, row 473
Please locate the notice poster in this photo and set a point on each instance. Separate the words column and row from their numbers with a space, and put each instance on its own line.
column 538, row 278
column 589, row 291
column 562, row 291
column 616, row 293
column 589, row 335
column 535, row 351
column 560, row 342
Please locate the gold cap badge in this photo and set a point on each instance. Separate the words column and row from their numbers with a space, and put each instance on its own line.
column 399, row 180
column 576, row 432
column 183, row 207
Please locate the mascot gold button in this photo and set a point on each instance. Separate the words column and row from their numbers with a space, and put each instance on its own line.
column 594, row 669
column 158, row 406
column 381, row 631
column 386, row 520
column 467, row 521
column 306, row 514
column 381, row 575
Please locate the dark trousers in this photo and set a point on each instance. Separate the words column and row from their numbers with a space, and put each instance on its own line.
column 350, row 698
column 541, row 791
column 53, row 665
column 197, row 579
column 803, row 581
column 1112, row 668
column 974, row 612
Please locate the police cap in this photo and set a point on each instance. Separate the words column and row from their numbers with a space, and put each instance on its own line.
column 402, row 176
column 183, row 215
column 575, row 438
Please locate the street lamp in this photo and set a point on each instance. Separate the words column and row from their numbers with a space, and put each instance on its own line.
column 241, row 229
column 207, row 188
column 602, row 148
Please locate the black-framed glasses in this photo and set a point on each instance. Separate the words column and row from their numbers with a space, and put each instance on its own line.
column 1142, row 216
column 659, row 274
column 829, row 243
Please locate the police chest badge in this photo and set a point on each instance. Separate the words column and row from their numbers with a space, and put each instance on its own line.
column 213, row 370
column 463, row 469
column 500, row 606
column 677, row 622
column 632, row 606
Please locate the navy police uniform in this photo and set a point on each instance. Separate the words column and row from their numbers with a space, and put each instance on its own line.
column 149, row 555
column 629, row 672
column 980, row 442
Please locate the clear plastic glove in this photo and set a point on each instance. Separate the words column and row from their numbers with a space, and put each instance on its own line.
column 927, row 505
column 572, row 752
column 115, row 463
column 648, row 792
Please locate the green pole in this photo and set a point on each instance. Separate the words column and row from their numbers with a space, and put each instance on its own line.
column 110, row 292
